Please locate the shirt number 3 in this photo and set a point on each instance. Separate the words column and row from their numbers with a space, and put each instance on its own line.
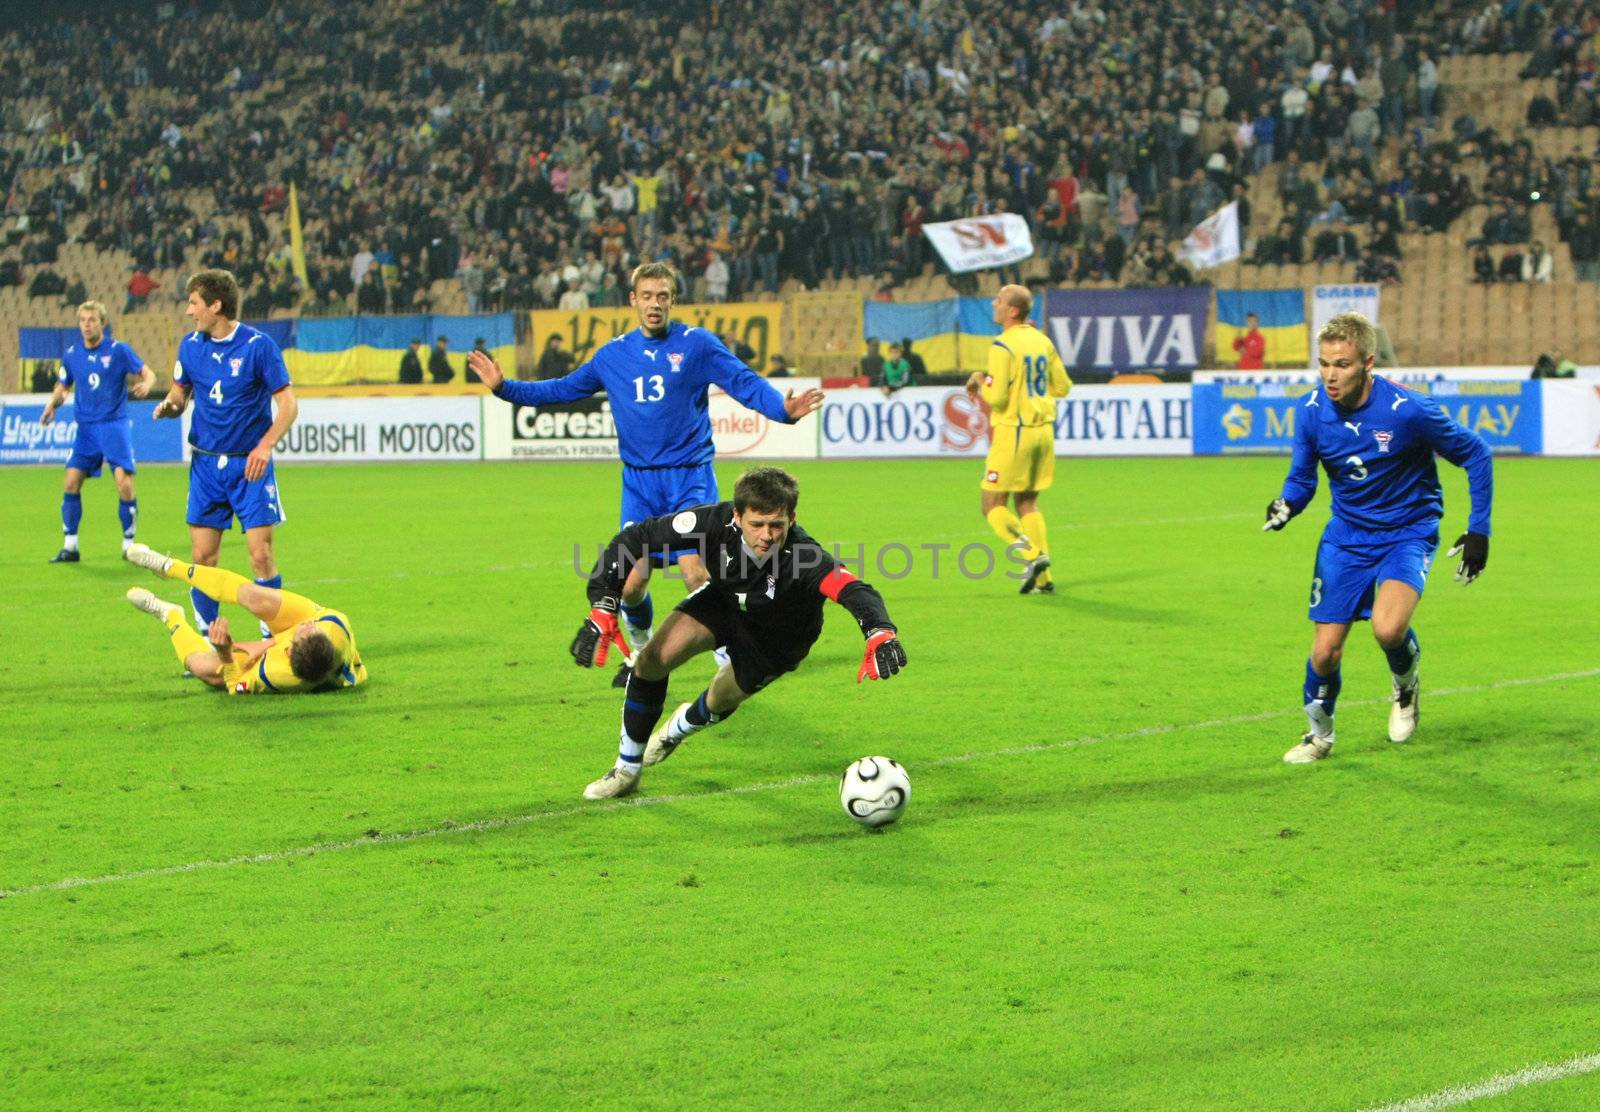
column 1358, row 469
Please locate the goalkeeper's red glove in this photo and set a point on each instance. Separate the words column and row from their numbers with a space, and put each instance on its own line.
column 884, row 657
column 599, row 631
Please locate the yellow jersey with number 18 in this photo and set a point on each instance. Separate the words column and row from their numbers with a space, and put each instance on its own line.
column 1025, row 378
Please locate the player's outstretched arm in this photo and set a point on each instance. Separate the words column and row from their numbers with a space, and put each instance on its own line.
column 800, row 405
column 1474, row 551
column 482, row 364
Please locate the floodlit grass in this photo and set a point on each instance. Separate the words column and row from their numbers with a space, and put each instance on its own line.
column 1108, row 891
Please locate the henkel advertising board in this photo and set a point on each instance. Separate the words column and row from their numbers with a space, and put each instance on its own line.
column 939, row 421
column 742, row 432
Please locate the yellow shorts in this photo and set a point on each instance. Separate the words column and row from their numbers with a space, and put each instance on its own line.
column 1021, row 458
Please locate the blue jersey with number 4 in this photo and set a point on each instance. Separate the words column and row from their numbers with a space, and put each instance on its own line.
column 98, row 377
column 658, row 386
column 1379, row 460
column 233, row 381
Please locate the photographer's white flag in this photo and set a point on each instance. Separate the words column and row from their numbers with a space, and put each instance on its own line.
column 981, row 241
column 1215, row 240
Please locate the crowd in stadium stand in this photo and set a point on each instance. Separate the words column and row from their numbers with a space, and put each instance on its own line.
column 536, row 150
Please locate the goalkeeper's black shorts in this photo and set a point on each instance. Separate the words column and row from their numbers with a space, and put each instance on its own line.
column 759, row 654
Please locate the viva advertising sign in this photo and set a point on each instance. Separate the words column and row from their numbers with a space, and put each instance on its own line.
column 1101, row 333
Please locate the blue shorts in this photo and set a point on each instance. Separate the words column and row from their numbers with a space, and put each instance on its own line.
column 657, row 491
column 218, row 492
column 1346, row 578
column 665, row 490
column 108, row 441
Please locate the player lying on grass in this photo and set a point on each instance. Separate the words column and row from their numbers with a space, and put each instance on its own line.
column 1376, row 441
column 311, row 648
column 767, row 581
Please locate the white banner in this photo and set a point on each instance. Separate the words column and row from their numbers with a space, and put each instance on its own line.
column 331, row 430
column 942, row 421
column 1571, row 417
column 1215, row 240
column 1328, row 302
column 979, row 242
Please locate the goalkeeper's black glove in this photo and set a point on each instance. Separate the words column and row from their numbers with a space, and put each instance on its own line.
column 1474, row 549
column 1278, row 515
column 597, row 634
column 884, row 657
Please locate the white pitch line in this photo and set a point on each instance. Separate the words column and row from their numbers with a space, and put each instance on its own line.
column 406, row 836
column 1496, row 1086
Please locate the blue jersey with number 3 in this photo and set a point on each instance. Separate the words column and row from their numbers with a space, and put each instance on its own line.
column 658, row 386
column 233, row 381
column 1379, row 460
column 98, row 377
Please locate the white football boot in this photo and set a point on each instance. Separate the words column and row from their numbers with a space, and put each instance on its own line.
column 140, row 555
column 660, row 746
column 616, row 783
column 151, row 605
column 1312, row 747
column 1403, row 715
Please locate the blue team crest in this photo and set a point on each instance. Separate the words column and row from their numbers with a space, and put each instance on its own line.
column 105, row 360
column 676, row 359
column 236, row 363
column 1383, row 438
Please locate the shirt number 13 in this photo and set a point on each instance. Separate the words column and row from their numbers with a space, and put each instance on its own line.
column 657, row 388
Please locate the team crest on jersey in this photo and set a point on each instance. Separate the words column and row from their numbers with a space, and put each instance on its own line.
column 105, row 360
column 1383, row 439
column 236, row 363
column 676, row 359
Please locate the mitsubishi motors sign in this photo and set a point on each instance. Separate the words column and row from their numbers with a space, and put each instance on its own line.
column 980, row 242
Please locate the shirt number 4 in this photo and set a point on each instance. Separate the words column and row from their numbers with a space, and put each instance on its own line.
column 215, row 393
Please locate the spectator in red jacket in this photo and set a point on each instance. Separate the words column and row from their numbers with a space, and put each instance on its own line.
column 140, row 287
column 1252, row 346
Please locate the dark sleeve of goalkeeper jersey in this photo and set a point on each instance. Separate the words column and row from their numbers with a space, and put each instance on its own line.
column 692, row 530
column 861, row 599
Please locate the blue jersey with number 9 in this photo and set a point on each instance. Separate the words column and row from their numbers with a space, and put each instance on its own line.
column 99, row 378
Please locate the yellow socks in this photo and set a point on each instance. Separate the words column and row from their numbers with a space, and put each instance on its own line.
column 184, row 639
column 1010, row 530
column 219, row 583
column 1033, row 526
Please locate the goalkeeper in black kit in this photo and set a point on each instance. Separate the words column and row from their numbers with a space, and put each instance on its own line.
column 763, row 601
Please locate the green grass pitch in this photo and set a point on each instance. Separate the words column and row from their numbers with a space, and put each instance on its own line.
column 1108, row 891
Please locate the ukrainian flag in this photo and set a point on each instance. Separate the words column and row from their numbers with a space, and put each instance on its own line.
column 954, row 334
column 344, row 351
column 1283, row 324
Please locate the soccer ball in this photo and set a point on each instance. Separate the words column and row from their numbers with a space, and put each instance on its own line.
column 874, row 791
